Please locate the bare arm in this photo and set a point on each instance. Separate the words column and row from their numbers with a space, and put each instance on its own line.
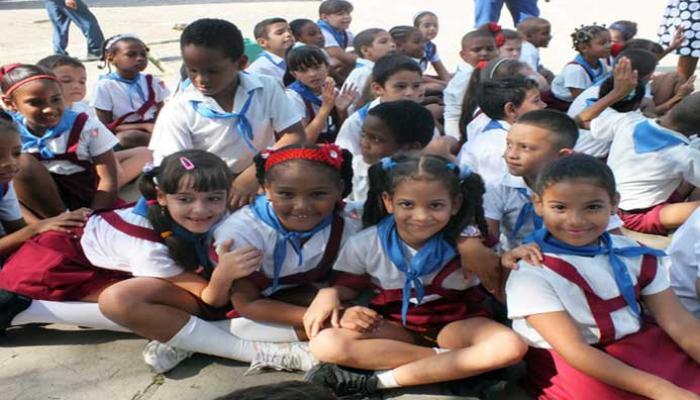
column 441, row 71
column 248, row 301
column 104, row 116
column 19, row 232
column 342, row 55
column 676, row 321
column 106, row 169
column 482, row 261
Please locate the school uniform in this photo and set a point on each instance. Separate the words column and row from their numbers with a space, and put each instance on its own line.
column 9, row 205
column 484, row 153
column 430, row 56
column 585, row 288
column 586, row 143
column 83, row 107
column 664, row 156
column 453, row 96
column 530, row 55
column 350, row 132
column 477, row 125
column 192, row 120
column 307, row 103
column 576, row 74
column 334, row 37
column 363, row 263
column 268, row 64
column 684, row 252
column 67, row 151
column 360, row 180
column 359, row 78
column 129, row 101
column 308, row 264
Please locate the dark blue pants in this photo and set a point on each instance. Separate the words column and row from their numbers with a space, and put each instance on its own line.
column 61, row 17
column 490, row 10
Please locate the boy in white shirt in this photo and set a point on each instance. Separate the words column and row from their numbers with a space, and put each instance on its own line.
column 371, row 44
column 537, row 33
column 275, row 37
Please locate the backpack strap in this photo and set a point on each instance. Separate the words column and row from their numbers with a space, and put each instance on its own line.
column 75, row 131
column 150, row 102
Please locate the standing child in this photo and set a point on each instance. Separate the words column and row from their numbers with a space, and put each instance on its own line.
column 312, row 92
column 371, row 45
column 425, row 315
column 275, row 38
column 427, row 23
column 227, row 112
column 126, row 100
column 580, row 312
column 536, row 32
column 685, row 263
column 334, row 21
column 592, row 42
column 68, row 161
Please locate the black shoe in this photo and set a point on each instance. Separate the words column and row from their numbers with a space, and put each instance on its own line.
column 11, row 304
column 343, row 381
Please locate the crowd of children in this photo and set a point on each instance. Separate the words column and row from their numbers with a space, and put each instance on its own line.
column 343, row 196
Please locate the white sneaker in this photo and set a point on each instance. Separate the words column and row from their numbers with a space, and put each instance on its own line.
column 162, row 357
column 293, row 356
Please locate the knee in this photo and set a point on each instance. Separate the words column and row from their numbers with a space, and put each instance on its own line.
column 509, row 347
column 330, row 346
column 116, row 302
column 29, row 168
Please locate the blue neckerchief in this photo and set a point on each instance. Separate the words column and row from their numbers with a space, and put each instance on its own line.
column 428, row 54
column 264, row 212
column 340, row 36
column 306, row 93
column 133, row 85
column 429, row 259
column 649, row 138
column 549, row 244
column 494, row 124
column 279, row 64
column 29, row 140
column 594, row 74
column 527, row 213
column 602, row 78
column 185, row 84
column 359, row 63
column 242, row 123
column 199, row 240
column 362, row 112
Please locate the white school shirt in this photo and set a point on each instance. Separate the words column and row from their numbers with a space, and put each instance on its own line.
column 453, row 96
column 180, row 127
column 247, row 230
column 95, row 139
column 530, row 55
column 647, row 179
column 364, row 254
column 350, row 132
column 572, row 76
column 9, row 205
column 360, row 180
column 503, row 202
column 113, row 96
column 477, row 125
column 273, row 66
column 684, row 252
column 331, row 42
column 109, row 248
column 586, row 143
column 298, row 104
column 359, row 77
column 536, row 290
column 83, row 107
column 484, row 153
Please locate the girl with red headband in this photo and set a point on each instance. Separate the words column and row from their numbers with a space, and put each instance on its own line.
column 68, row 162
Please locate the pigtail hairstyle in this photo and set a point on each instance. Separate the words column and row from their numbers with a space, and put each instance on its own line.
column 198, row 169
column 585, row 33
column 385, row 176
column 328, row 156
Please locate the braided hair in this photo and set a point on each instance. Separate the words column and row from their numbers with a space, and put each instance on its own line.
column 585, row 33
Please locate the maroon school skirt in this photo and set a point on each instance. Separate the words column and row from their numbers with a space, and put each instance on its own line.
column 52, row 266
column 651, row 349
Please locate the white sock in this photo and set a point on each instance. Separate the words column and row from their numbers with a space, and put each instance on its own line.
column 248, row 329
column 201, row 336
column 70, row 313
column 386, row 380
column 440, row 351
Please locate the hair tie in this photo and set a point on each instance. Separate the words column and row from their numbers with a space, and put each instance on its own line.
column 481, row 65
column 186, row 163
column 6, row 69
column 500, row 39
column 463, row 173
column 166, row 234
column 388, row 163
column 329, row 154
column 494, row 27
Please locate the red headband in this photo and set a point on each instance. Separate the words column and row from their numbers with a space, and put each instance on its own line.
column 329, row 154
column 8, row 68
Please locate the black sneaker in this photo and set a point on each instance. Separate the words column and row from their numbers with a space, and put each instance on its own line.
column 342, row 380
column 11, row 304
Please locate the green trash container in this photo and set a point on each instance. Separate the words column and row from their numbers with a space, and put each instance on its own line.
column 252, row 49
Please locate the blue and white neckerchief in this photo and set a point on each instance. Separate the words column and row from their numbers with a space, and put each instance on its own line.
column 494, row 124
column 428, row 54
column 133, row 86
column 198, row 240
column 281, row 64
column 262, row 209
column 306, row 93
column 527, row 213
column 340, row 36
column 649, row 137
column 242, row 124
column 29, row 140
column 434, row 254
column 549, row 244
column 362, row 112
column 361, row 62
column 593, row 74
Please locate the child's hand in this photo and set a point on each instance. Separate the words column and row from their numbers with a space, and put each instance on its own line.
column 677, row 39
column 625, row 77
column 529, row 252
column 346, row 97
column 64, row 222
column 686, row 88
column 244, row 189
column 238, row 263
column 326, row 304
column 361, row 319
column 328, row 95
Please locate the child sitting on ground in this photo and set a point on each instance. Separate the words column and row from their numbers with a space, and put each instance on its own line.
column 275, row 38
